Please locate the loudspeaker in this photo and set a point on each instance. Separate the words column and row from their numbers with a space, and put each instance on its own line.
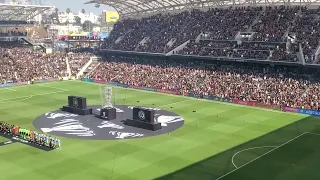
column 143, row 114
column 108, row 113
column 77, row 102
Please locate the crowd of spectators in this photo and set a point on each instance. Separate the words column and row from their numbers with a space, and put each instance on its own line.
column 20, row 63
column 273, row 23
column 77, row 61
column 238, row 49
column 161, row 29
column 306, row 28
column 273, row 86
column 164, row 32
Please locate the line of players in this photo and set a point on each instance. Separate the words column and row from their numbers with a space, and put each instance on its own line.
column 30, row 136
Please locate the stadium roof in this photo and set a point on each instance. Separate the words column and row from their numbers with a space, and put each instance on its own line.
column 20, row 12
column 140, row 8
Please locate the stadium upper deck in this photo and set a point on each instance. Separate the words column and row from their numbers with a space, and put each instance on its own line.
column 142, row 8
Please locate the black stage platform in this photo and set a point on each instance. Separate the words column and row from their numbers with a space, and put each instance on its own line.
column 143, row 118
column 77, row 105
column 143, row 125
column 78, row 111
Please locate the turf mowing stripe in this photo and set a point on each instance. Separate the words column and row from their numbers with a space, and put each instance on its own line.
column 261, row 155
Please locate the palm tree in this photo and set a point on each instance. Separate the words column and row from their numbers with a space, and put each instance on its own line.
column 68, row 11
column 56, row 15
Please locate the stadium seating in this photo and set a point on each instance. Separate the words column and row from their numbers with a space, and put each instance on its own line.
column 77, row 61
column 306, row 28
column 164, row 32
column 20, row 63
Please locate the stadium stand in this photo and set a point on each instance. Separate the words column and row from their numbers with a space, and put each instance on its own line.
column 247, row 29
column 77, row 61
column 207, row 52
column 280, row 86
column 274, row 35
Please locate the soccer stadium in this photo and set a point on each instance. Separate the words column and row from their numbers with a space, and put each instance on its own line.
column 177, row 90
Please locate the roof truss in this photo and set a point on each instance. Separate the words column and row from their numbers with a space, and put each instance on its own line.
column 21, row 12
column 141, row 8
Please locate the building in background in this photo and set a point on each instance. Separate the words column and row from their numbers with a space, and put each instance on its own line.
column 59, row 30
column 71, row 17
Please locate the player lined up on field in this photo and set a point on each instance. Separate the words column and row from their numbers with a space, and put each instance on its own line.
column 30, row 136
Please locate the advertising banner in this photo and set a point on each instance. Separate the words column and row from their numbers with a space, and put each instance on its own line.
column 289, row 109
column 168, row 91
column 122, row 85
column 100, row 81
column 53, row 79
column 112, row 16
column 6, row 85
column 113, row 83
column 87, row 79
column 41, row 81
column 309, row 112
column 135, row 87
column 237, row 101
column 205, row 97
column 21, row 83
column 149, row 89
column 248, row 103
column 267, row 106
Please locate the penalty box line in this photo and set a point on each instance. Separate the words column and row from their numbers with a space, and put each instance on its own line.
column 263, row 155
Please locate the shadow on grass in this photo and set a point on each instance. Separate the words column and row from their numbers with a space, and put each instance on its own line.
column 220, row 164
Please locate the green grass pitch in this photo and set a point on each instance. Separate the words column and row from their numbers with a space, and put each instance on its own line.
column 218, row 141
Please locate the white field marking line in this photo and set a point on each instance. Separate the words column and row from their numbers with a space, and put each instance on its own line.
column 247, row 149
column 313, row 133
column 261, row 155
column 13, row 101
column 6, row 90
column 9, row 89
column 2, row 92
column 28, row 97
column 174, row 103
column 207, row 100
column 41, row 94
column 61, row 89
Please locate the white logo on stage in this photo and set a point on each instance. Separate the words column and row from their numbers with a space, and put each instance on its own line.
column 117, row 110
column 141, row 115
column 70, row 126
column 165, row 120
column 107, row 124
column 148, row 108
column 123, row 135
column 59, row 115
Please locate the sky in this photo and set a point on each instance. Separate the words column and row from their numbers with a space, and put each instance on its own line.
column 76, row 5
